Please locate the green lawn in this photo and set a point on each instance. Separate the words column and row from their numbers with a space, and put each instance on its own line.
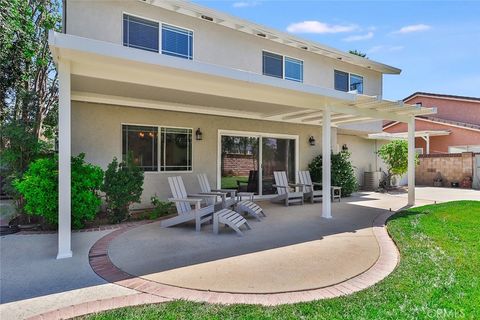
column 231, row 182
column 438, row 278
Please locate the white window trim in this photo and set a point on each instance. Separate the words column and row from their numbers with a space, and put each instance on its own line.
column 463, row 146
column 349, row 82
column 159, row 144
column 283, row 63
column 224, row 132
column 160, row 23
column 419, row 150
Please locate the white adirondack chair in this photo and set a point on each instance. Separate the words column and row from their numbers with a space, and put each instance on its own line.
column 183, row 203
column 286, row 191
column 234, row 200
column 309, row 192
column 201, row 215
column 305, row 180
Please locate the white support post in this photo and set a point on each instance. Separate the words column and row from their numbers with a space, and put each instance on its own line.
column 411, row 161
column 428, row 144
column 326, row 163
column 64, row 154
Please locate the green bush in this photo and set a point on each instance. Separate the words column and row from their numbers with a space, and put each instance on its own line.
column 123, row 186
column 160, row 207
column 342, row 172
column 39, row 188
column 395, row 156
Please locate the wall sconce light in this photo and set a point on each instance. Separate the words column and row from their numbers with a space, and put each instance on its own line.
column 198, row 134
column 344, row 147
column 311, row 140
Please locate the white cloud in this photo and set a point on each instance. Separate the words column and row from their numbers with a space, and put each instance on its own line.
column 319, row 27
column 413, row 28
column 359, row 37
column 244, row 4
column 384, row 48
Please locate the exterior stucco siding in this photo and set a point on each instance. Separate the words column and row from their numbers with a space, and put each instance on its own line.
column 215, row 44
column 96, row 131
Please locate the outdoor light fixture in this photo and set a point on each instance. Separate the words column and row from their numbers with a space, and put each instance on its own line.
column 344, row 147
column 198, row 134
column 311, row 140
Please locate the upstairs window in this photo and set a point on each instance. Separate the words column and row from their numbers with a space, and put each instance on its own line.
column 356, row 83
column 141, row 142
column 348, row 82
column 275, row 65
column 272, row 65
column 341, row 81
column 140, row 33
column 293, row 69
column 177, row 42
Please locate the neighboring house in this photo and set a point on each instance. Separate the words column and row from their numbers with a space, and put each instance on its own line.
column 172, row 81
column 454, row 129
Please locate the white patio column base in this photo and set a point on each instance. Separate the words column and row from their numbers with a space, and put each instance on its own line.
column 411, row 161
column 326, row 163
column 64, row 156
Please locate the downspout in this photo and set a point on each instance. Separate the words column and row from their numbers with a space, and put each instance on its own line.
column 64, row 16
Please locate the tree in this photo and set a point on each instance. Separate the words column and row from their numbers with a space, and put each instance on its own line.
column 395, row 156
column 28, row 82
column 358, row 53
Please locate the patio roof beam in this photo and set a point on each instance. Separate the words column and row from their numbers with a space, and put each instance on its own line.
column 302, row 115
column 335, row 117
column 356, row 119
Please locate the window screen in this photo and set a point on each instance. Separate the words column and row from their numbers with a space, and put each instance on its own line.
column 272, row 65
column 176, row 149
column 341, row 80
column 177, row 42
column 293, row 69
column 356, row 83
column 139, row 33
column 141, row 143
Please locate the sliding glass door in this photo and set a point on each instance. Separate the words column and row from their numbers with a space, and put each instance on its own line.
column 247, row 161
column 277, row 155
column 240, row 163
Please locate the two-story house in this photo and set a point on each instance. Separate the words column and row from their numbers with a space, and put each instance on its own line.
column 171, row 81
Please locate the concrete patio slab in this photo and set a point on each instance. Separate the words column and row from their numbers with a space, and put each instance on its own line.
column 293, row 249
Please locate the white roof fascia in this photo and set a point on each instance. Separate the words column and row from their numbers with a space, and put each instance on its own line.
column 229, row 21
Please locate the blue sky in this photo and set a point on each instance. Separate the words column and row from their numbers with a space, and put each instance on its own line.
column 435, row 43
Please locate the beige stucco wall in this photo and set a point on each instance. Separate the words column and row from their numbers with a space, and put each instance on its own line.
column 102, row 20
column 363, row 152
column 96, row 131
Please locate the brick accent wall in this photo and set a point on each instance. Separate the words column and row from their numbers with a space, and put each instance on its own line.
column 238, row 164
column 454, row 167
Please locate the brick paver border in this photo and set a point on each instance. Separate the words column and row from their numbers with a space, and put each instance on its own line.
column 154, row 292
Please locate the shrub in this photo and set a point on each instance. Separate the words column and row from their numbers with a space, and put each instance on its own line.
column 122, row 186
column 160, row 207
column 395, row 156
column 39, row 188
column 342, row 172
